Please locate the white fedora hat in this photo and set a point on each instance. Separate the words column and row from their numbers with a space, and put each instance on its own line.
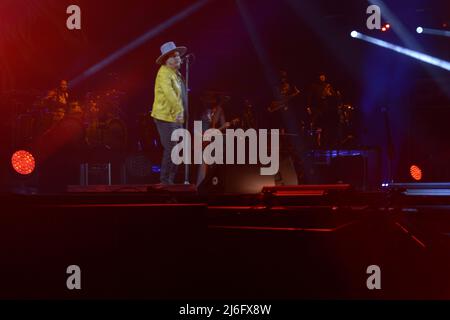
column 167, row 48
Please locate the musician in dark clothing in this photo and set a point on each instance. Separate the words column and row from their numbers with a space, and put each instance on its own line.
column 322, row 107
column 249, row 120
column 286, row 115
column 59, row 97
column 213, row 116
column 284, row 109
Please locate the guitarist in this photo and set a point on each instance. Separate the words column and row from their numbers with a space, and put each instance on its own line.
column 284, row 113
column 283, row 108
column 285, row 93
column 213, row 116
column 322, row 108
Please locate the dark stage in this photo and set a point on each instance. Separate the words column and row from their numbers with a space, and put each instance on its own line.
column 224, row 150
column 314, row 242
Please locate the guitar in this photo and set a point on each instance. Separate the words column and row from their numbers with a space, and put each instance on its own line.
column 225, row 126
column 229, row 124
column 282, row 104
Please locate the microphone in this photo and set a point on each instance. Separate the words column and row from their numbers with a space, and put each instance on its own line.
column 187, row 57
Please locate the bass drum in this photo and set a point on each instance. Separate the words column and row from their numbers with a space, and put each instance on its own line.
column 115, row 135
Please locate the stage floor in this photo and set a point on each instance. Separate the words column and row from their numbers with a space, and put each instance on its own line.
column 297, row 242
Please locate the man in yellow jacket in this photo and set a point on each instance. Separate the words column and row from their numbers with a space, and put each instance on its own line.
column 168, row 107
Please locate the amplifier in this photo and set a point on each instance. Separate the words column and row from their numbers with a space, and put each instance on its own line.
column 95, row 174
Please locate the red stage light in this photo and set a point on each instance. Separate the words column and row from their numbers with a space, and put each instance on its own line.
column 387, row 26
column 383, row 29
column 416, row 172
column 23, row 162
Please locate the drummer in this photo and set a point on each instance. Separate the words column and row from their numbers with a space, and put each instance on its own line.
column 58, row 97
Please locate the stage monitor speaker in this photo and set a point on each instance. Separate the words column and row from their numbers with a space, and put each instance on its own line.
column 246, row 178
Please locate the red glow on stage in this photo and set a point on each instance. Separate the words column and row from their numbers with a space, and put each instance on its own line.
column 383, row 29
column 416, row 172
column 23, row 162
column 387, row 26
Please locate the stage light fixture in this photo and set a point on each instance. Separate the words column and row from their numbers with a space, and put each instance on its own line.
column 23, row 162
column 416, row 172
column 434, row 32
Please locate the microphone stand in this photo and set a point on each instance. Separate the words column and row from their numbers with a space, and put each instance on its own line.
column 186, row 147
column 390, row 145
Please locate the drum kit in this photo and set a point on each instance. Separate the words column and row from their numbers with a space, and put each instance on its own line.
column 103, row 120
column 343, row 128
column 100, row 112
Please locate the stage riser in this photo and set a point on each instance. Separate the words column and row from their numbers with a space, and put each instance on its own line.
column 120, row 250
column 170, row 252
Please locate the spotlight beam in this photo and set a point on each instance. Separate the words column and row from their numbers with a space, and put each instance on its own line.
column 138, row 42
column 257, row 43
column 435, row 32
column 405, row 51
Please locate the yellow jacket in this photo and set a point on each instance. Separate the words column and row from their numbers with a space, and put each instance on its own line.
column 168, row 102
